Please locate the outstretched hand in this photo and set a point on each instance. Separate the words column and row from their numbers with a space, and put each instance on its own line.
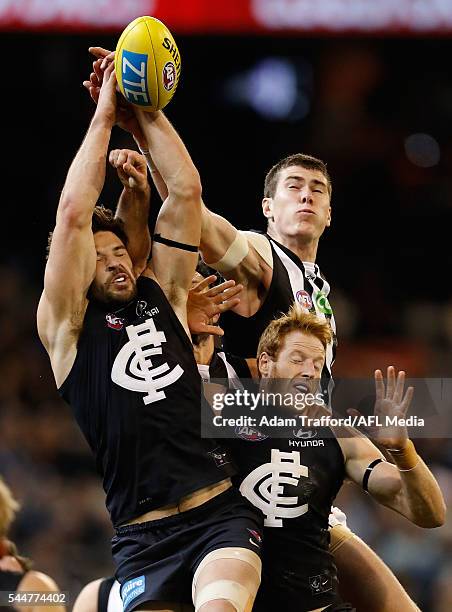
column 205, row 305
column 125, row 115
column 106, row 105
column 391, row 401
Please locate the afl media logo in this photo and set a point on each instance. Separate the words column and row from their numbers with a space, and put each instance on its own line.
column 169, row 76
column 304, row 299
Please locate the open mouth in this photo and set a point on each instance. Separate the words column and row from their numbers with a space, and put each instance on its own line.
column 119, row 278
column 302, row 388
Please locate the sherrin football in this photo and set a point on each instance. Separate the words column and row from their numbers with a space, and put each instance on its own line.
column 147, row 64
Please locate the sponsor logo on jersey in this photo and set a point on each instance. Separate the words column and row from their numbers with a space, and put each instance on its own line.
column 250, row 434
column 320, row 583
column 219, row 456
column 131, row 589
column 305, row 434
column 133, row 368
column 322, row 304
column 304, row 299
column 114, row 322
column 169, row 76
column 305, row 443
column 264, row 487
column 256, row 538
column 142, row 309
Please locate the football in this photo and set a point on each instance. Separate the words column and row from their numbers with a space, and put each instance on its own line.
column 147, row 64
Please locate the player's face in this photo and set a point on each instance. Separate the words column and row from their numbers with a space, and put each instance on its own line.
column 298, row 365
column 301, row 205
column 114, row 281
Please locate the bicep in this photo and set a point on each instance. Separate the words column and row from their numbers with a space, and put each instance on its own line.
column 230, row 251
column 174, row 264
column 71, row 265
column 68, row 275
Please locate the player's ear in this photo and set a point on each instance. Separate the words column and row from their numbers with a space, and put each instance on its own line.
column 328, row 219
column 267, row 207
column 263, row 364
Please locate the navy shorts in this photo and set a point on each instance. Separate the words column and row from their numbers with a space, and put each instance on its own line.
column 156, row 561
column 297, row 574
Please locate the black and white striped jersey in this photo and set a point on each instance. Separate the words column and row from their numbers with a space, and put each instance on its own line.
column 293, row 281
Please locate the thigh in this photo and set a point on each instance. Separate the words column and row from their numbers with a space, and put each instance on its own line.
column 366, row 581
column 228, row 574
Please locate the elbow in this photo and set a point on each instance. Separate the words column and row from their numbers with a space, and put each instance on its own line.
column 439, row 516
column 188, row 189
column 430, row 522
column 436, row 517
column 71, row 213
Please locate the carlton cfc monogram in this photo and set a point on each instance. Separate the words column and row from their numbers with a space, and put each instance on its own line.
column 133, row 369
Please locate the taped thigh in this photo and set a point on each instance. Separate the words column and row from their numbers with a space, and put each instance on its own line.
column 339, row 534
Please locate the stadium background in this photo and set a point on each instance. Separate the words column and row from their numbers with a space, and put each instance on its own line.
column 377, row 108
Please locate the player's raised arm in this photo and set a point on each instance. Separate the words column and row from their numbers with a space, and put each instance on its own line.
column 72, row 256
column 178, row 227
column 133, row 204
column 408, row 487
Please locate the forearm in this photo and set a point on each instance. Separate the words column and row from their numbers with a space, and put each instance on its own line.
column 169, row 155
column 133, row 211
column 419, row 492
column 410, row 489
column 86, row 175
column 159, row 183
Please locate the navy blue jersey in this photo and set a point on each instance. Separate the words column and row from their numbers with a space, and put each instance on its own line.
column 293, row 481
column 136, row 394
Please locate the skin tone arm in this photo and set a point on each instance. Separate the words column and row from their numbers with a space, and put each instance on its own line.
column 408, row 487
column 133, row 204
column 179, row 218
column 63, row 302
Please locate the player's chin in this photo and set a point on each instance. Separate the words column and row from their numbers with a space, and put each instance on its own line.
column 123, row 294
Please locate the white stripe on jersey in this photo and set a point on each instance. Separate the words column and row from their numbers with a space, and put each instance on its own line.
column 114, row 598
column 317, row 285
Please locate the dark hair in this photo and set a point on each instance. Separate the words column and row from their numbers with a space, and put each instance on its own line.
column 299, row 159
column 103, row 220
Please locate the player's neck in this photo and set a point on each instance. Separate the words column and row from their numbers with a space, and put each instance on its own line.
column 306, row 250
column 204, row 349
